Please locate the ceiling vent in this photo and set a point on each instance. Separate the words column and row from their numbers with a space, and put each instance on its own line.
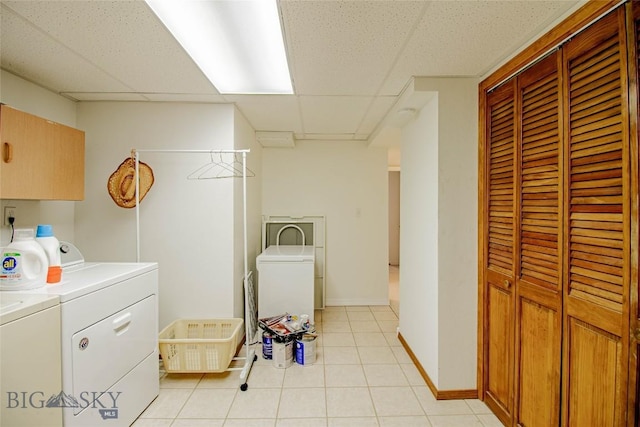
column 275, row 139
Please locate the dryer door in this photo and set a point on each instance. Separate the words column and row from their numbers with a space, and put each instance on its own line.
column 106, row 351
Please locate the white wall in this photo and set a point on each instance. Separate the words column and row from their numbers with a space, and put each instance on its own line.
column 394, row 217
column 419, row 238
column 186, row 225
column 439, row 302
column 346, row 182
column 25, row 96
column 458, row 231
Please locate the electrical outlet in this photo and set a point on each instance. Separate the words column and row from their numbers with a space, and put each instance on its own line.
column 9, row 211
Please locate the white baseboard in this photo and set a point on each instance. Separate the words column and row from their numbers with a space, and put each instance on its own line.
column 356, row 301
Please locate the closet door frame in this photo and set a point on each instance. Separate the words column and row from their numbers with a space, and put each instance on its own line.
column 573, row 24
column 633, row 44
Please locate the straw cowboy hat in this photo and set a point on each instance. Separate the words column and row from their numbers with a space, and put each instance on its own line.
column 122, row 183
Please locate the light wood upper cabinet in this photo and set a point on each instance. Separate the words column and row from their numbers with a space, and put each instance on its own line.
column 41, row 159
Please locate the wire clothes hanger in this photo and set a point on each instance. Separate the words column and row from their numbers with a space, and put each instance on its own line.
column 219, row 168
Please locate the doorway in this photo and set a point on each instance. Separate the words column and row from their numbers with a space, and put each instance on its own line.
column 394, row 241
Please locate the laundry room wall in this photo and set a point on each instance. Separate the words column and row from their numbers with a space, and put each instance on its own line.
column 394, row 218
column 438, row 275
column 186, row 225
column 347, row 182
column 25, row 96
column 419, row 238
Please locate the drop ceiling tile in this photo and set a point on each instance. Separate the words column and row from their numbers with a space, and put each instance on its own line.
column 333, row 114
column 123, row 38
column 466, row 38
column 342, row 53
column 270, row 112
column 345, row 47
column 377, row 112
column 31, row 54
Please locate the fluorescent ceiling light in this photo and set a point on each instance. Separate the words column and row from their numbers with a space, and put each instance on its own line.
column 237, row 44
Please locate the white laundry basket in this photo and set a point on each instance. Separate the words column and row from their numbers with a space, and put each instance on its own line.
column 199, row 345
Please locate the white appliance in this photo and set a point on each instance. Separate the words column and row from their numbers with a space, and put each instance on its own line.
column 290, row 230
column 29, row 359
column 286, row 280
column 109, row 339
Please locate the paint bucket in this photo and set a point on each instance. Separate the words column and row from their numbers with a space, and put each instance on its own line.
column 306, row 350
column 282, row 354
column 267, row 343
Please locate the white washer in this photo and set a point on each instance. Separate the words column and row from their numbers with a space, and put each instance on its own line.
column 30, row 365
column 109, row 341
column 286, row 280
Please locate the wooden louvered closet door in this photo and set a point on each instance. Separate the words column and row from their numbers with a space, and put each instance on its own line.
column 499, row 250
column 538, row 338
column 597, row 209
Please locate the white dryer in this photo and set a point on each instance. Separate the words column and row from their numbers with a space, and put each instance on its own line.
column 286, row 280
column 109, row 340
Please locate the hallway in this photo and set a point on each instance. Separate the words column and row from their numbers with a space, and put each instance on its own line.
column 394, row 289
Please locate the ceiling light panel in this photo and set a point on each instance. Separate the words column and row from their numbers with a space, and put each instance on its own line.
column 238, row 45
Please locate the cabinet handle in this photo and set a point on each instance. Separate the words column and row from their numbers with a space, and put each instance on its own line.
column 507, row 283
column 7, row 154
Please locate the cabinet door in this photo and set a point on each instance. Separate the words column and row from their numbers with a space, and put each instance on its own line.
column 538, row 338
column 47, row 158
column 67, row 161
column 499, row 211
column 19, row 180
column 596, row 317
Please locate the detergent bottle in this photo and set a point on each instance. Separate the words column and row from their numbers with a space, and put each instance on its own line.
column 51, row 246
column 24, row 263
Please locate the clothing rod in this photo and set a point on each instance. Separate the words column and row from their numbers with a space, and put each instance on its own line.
column 142, row 150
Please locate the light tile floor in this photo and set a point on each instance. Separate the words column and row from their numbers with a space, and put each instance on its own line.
column 394, row 288
column 362, row 377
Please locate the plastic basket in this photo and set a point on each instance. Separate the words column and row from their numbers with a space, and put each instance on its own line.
column 199, row 345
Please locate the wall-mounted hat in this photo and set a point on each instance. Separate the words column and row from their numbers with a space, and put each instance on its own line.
column 122, row 183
